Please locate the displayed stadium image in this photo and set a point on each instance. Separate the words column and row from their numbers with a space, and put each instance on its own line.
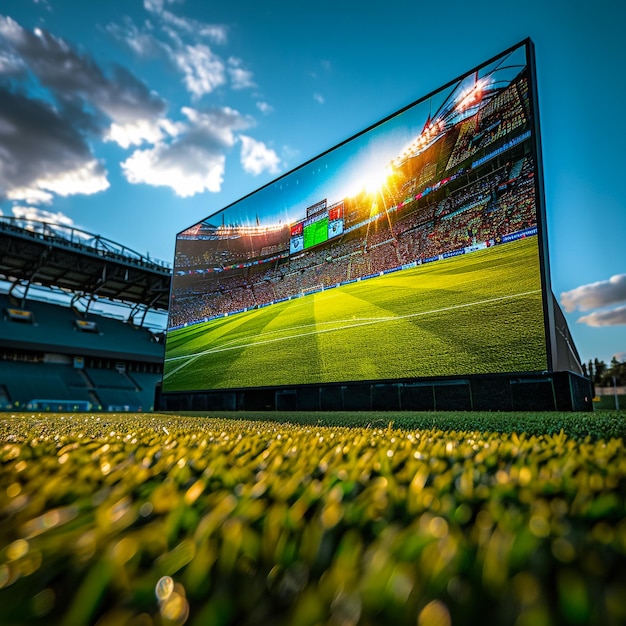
column 411, row 250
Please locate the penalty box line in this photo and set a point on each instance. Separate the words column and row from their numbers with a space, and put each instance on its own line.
column 192, row 357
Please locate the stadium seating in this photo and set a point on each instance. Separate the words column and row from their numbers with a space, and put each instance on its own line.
column 26, row 382
column 51, row 359
column 54, row 328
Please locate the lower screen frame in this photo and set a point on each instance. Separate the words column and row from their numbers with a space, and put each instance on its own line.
column 542, row 391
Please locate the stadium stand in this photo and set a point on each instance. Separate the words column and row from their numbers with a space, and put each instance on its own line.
column 51, row 359
column 59, row 350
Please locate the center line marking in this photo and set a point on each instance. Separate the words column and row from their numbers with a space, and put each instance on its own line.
column 192, row 357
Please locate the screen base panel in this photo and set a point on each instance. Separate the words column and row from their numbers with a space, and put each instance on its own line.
column 555, row 391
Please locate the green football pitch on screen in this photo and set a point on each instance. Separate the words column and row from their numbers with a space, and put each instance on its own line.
column 474, row 314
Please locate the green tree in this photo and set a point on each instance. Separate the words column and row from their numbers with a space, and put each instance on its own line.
column 599, row 368
column 617, row 369
column 602, row 375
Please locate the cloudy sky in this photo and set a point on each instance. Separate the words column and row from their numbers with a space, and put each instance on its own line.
column 134, row 119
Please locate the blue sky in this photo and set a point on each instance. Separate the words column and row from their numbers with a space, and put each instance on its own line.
column 135, row 119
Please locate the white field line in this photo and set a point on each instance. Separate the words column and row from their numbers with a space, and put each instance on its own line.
column 387, row 318
column 368, row 322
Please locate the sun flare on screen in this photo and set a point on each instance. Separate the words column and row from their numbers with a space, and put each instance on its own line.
column 376, row 180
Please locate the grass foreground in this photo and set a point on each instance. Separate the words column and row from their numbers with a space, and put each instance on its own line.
column 429, row 519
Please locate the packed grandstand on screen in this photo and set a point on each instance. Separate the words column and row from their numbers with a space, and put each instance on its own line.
column 436, row 202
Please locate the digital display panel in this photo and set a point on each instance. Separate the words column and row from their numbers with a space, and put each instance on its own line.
column 413, row 249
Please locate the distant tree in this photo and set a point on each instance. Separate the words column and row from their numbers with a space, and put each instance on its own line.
column 602, row 375
column 599, row 368
column 617, row 370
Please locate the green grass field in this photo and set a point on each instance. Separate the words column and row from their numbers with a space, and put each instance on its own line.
column 369, row 519
column 479, row 313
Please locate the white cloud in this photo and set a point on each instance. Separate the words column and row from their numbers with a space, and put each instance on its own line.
column 192, row 172
column 28, row 194
column 256, row 157
column 194, row 160
column 215, row 32
column 134, row 133
column 184, row 43
column 154, row 6
column 620, row 356
column 319, row 98
column 140, row 131
column 52, row 151
column 87, row 178
column 123, row 98
column 264, row 107
column 142, row 43
column 612, row 317
column 11, row 64
column 595, row 295
column 42, row 153
column 82, row 90
column 203, row 70
column 240, row 78
column 40, row 215
column 216, row 125
column 11, row 31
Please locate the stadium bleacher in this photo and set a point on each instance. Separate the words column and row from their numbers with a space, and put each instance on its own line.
column 54, row 327
column 50, row 360
column 52, row 382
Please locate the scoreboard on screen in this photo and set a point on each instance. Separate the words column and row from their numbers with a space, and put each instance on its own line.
column 320, row 224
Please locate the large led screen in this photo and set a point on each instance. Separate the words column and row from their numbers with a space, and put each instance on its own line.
column 411, row 250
